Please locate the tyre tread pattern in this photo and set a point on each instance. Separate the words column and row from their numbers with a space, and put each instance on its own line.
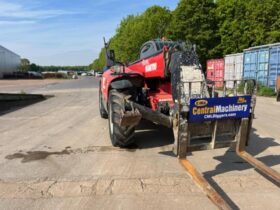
column 122, row 135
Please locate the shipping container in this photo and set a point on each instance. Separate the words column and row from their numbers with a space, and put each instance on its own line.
column 233, row 68
column 274, row 65
column 9, row 61
column 262, row 63
column 215, row 71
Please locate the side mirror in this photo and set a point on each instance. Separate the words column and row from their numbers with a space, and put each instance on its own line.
column 110, row 58
column 112, row 55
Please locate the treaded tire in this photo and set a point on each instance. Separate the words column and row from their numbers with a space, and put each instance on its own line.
column 120, row 135
column 102, row 110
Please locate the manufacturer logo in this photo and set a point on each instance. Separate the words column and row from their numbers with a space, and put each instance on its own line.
column 200, row 103
column 241, row 100
column 151, row 67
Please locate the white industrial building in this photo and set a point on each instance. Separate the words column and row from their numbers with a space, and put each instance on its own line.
column 9, row 61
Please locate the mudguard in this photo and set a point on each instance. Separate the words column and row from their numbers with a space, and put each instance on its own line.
column 121, row 84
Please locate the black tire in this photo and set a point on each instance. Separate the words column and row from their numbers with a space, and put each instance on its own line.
column 102, row 110
column 120, row 135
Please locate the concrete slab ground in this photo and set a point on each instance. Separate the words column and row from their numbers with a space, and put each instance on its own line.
column 57, row 154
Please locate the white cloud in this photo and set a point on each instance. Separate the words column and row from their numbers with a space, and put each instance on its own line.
column 47, row 34
column 20, row 22
column 12, row 10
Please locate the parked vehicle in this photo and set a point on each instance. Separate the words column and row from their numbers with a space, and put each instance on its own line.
column 167, row 86
column 35, row 75
column 74, row 76
column 98, row 74
column 167, row 75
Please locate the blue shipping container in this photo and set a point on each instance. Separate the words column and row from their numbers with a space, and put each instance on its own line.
column 262, row 63
column 274, row 66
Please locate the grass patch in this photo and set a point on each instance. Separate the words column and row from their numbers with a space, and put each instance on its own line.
column 261, row 89
column 266, row 91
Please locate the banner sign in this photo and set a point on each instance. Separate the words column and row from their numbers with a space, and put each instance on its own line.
column 205, row 109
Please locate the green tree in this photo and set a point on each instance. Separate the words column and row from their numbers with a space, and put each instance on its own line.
column 133, row 31
column 264, row 17
column 195, row 21
column 216, row 27
column 244, row 24
column 24, row 64
column 99, row 63
column 34, row 67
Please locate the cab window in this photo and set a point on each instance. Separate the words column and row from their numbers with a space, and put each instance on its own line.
column 147, row 51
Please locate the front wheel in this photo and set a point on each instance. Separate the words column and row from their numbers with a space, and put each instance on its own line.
column 120, row 135
column 102, row 110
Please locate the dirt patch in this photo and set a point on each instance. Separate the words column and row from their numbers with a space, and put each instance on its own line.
column 41, row 155
column 35, row 155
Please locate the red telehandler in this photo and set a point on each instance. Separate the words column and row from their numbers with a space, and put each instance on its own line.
column 167, row 86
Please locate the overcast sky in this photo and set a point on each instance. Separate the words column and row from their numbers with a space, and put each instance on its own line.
column 64, row 32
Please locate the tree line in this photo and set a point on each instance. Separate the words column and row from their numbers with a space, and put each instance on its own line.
column 216, row 28
column 26, row 65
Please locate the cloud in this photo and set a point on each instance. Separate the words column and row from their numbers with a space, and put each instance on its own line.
column 13, row 10
column 61, row 32
column 20, row 22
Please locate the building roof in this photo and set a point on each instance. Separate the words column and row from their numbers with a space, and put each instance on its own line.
column 3, row 48
column 234, row 54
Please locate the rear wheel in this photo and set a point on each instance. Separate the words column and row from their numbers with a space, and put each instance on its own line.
column 120, row 135
column 102, row 110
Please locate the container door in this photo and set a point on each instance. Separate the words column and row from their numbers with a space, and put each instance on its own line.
column 210, row 70
column 274, row 66
column 228, row 70
column 238, row 67
column 262, row 67
column 250, row 69
column 219, row 72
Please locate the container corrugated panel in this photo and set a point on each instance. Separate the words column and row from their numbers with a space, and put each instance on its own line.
column 256, row 65
column 274, row 66
column 262, row 63
column 233, row 68
column 215, row 71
